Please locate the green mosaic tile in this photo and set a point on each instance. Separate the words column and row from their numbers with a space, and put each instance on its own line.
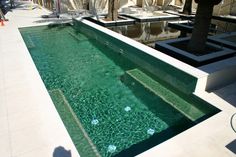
column 189, row 110
column 80, row 138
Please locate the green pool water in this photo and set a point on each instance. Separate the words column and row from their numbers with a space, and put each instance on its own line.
column 109, row 106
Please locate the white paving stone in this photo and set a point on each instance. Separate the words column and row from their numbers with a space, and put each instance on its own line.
column 5, row 145
column 30, row 124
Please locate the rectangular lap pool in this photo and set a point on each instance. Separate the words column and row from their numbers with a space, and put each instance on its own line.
column 109, row 105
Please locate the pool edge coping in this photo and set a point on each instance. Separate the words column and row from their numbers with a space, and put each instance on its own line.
column 155, row 53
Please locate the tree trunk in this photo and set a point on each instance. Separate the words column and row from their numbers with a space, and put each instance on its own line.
column 187, row 7
column 113, row 10
column 202, row 22
column 85, row 4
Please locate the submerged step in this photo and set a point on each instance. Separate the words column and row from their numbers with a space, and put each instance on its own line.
column 73, row 125
column 189, row 110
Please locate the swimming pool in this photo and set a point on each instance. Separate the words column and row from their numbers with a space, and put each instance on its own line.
column 109, row 105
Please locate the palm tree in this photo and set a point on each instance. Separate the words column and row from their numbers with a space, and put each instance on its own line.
column 202, row 22
column 85, row 4
column 112, row 10
column 187, row 7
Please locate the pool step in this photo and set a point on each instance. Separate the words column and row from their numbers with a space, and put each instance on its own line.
column 73, row 125
column 135, row 76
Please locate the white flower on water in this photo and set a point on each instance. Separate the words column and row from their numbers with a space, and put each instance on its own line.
column 150, row 131
column 111, row 148
column 94, row 122
column 127, row 108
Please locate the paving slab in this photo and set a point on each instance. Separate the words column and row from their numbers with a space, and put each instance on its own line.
column 30, row 124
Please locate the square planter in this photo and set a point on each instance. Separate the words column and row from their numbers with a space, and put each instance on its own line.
column 225, row 39
column 144, row 16
column 226, row 18
column 174, row 48
column 181, row 15
column 121, row 21
column 187, row 26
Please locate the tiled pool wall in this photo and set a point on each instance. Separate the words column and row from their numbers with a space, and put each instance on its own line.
column 164, row 71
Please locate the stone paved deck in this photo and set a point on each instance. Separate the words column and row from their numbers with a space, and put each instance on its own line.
column 30, row 124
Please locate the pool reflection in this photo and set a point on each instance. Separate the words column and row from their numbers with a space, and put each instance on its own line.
column 147, row 33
